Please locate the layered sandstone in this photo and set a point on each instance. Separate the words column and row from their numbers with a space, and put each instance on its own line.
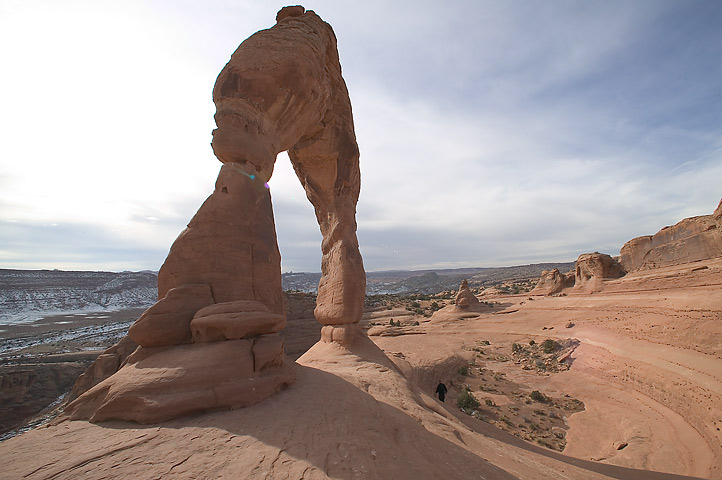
column 212, row 341
column 553, row 281
column 593, row 268
column 690, row 240
column 103, row 367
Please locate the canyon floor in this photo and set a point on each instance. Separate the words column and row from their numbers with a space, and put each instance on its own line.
column 630, row 388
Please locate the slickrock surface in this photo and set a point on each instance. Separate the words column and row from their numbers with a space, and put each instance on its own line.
column 690, row 240
column 221, row 303
column 553, row 281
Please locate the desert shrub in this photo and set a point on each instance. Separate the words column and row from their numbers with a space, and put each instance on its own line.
column 550, row 346
column 464, row 371
column 489, row 402
column 544, row 443
column 516, row 348
column 415, row 305
column 485, row 342
column 416, row 323
column 434, row 306
column 532, row 343
column 467, row 401
column 507, row 421
column 537, row 396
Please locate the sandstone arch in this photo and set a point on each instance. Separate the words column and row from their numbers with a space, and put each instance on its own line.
column 212, row 341
column 282, row 90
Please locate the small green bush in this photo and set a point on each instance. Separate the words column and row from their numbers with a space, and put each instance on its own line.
column 489, row 402
column 516, row 348
column 550, row 346
column 532, row 343
column 467, row 401
column 464, row 371
column 537, row 396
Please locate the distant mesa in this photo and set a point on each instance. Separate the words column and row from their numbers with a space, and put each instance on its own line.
column 212, row 340
column 553, row 281
column 690, row 240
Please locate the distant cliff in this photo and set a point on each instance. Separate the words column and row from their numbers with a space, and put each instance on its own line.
column 27, row 295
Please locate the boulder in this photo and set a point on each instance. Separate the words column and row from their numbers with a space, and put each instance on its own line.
column 234, row 320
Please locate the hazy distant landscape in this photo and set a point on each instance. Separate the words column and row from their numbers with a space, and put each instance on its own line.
column 29, row 295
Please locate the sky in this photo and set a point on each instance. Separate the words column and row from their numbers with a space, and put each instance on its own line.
column 491, row 133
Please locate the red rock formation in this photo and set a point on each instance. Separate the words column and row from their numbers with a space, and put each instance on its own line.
column 690, row 240
column 592, row 268
column 211, row 341
column 103, row 367
column 465, row 298
column 553, row 281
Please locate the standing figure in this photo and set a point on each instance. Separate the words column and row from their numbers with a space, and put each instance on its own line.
column 441, row 391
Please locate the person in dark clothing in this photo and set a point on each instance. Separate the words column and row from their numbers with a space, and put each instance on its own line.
column 441, row 391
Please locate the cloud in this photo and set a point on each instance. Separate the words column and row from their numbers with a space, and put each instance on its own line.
column 73, row 246
column 490, row 132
